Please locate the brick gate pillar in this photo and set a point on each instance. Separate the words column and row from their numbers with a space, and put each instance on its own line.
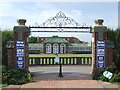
column 21, row 33
column 99, row 32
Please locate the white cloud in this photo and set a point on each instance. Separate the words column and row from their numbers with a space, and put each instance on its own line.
column 4, row 8
column 40, row 12
column 74, row 14
column 82, row 36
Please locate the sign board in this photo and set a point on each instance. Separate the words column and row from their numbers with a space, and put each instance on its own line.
column 111, row 44
column 20, row 54
column 108, row 74
column 100, row 54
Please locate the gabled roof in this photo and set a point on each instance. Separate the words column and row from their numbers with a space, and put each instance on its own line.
column 55, row 40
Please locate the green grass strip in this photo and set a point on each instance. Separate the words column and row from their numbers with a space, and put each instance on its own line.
column 3, row 85
column 60, row 55
column 115, row 83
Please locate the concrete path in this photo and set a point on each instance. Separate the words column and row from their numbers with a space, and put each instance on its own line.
column 75, row 78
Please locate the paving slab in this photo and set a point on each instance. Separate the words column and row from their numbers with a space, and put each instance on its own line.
column 71, row 82
column 74, row 78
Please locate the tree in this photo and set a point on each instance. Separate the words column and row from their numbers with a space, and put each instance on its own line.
column 7, row 35
column 114, row 35
column 0, row 46
column 32, row 39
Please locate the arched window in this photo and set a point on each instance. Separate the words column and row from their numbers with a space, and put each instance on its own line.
column 48, row 48
column 62, row 48
column 55, row 48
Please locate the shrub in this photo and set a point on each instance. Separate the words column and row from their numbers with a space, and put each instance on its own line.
column 115, row 78
column 15, row 76
column 96, row 76
column 103, row 78
column 7, row 35
column 113, row 69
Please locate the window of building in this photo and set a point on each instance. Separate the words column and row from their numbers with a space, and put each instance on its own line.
column 48, row 48
column 62, row 48
column 55, row 48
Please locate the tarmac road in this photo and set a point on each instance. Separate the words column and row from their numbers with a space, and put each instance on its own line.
column 53, row 71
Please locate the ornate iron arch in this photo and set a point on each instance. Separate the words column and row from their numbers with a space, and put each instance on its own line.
column 60, row 22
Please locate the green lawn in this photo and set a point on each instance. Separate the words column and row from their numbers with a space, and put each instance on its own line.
column 60, row 55
column 116, row 83
column 3, row 85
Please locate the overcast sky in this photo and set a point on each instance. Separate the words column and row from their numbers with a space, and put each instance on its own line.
column 81, row 12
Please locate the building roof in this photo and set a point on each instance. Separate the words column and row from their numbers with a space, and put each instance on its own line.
column 55, row 40
column 84, row 42
column 80, row 44
column 35, row 44
column 69, row 39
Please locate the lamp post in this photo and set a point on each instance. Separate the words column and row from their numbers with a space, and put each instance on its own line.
column 60, row 64
column 60, row 69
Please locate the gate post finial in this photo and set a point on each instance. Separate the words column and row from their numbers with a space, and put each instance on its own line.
column 21, row 21
column 99, row 22
column 21, row 27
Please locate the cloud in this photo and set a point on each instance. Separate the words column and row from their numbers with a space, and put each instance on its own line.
column 41, row 11
column 59, row 0
column 4, row 8
column 82, row 36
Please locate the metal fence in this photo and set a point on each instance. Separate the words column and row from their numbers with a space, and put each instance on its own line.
column 64, row 60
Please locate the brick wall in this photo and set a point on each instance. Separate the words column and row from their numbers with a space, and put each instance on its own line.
column 109, row 56
column 10, row 57
column 25, row 38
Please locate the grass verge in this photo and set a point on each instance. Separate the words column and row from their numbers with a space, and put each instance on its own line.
column 3, row 85
column 118, row 83
column 60, row 55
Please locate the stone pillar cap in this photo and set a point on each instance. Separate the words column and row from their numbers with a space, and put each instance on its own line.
column 21, row 21
column 21, row 27
column 99, row 22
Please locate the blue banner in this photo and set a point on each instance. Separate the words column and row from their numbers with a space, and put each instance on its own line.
column 100, row 54
column 20, row 54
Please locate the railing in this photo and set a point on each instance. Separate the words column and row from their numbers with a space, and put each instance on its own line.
column 64, row 60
